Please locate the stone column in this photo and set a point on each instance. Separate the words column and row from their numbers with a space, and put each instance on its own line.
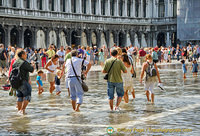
column 116, row 13
column 168, row 40
column 57, row 5
column 141, row 9
column 79, row 6
column 6, row 3
column 125, row 8
column 34, row 4
column 69, row 9
column 166, row 8
column 155, row 5
column 98, row 7
column 20, row 4
column 133, row 8
column 107, row 10
column 171, row 8
column 46, row 5
column 89, row 7
column 7, row 36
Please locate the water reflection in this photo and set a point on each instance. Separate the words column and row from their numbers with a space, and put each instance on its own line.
column 53, row 115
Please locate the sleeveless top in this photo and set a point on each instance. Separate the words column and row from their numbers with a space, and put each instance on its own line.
column 127, row 77
column 52, row 67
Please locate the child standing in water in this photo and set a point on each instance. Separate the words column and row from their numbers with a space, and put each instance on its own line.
column 194, row 68
column 57, row 82
column 184, row 68
column 39, row 82
column 127, row 78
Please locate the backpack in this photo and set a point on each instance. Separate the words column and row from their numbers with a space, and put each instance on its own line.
column 15, row 77
column 151, row 71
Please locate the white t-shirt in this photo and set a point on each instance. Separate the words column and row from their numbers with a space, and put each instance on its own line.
column 130, row 51
column 77, row 63
column 62, row 54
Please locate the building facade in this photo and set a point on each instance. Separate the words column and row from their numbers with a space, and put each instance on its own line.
column 38, row 23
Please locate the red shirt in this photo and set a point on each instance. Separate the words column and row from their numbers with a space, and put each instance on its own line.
column 142, row 53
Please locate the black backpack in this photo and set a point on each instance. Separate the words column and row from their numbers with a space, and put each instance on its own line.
column 15, row 77
column 151, row 71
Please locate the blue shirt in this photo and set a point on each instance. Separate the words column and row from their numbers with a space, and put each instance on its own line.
column 39, row 80
column 57, row 80
column 194, row 67
column 184, row 68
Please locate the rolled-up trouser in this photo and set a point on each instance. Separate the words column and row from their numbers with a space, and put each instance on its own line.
column 24, row 92
column 76, row 90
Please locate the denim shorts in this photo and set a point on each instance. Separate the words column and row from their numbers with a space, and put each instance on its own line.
column 24, row 92
column 111, row 88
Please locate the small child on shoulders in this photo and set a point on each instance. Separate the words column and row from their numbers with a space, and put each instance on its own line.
column 39, row 82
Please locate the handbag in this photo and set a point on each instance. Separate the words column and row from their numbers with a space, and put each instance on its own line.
column 83, row 84
column 106, row 76
column 134, row 73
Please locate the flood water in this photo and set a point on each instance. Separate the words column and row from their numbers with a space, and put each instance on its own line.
column 176, row 110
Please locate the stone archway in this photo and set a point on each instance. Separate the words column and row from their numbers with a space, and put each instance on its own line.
column 128, row 40
column 14, row 37
column 84, row 39
column 94, row 39
column 122, row 39
column 111, row 44
column 28, row 41
column 161, row 39
column 103, row 40
column 63, row 41
column 52, row 37
column 2, row 36
column 41, row 39
column 136, row 41
column 143, row 41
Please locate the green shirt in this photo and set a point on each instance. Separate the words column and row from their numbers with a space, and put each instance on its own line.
column 115, row 73
column 68, row 56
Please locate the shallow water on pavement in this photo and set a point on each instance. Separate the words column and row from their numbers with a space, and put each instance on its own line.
column 175, row 112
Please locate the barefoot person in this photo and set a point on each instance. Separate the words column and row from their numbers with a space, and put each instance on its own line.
column 76, row 90
column 114, row 78
column 51, row 67
column 152, row 72
column 24, row 92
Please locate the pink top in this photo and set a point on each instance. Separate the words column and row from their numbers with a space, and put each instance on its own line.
column 10, row 69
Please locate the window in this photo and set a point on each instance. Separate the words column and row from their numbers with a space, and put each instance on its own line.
column 51, row 5
column 103, row 7
column 27, row 4
column 94, row 7
column 84, row 6
column 73, row 6
column 144, row 8
column 174, row 8
column 136, row 8
column 129, row 8
column 112, row 7
column 14, row 3
column 161, row 8
column 39, row 4
column 120, row 4
column 62, row 5
column 1, row 2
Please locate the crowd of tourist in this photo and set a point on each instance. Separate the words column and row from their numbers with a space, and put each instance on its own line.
column 75, row 63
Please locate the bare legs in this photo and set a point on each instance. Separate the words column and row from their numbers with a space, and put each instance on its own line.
column 75, row 106
column 22, row 106
column 52, row 87
column 119, row 99
column 152, row 97
column 126, row 99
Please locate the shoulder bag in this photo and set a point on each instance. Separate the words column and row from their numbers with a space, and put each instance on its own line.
column 83, row 84
column 106, row 76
